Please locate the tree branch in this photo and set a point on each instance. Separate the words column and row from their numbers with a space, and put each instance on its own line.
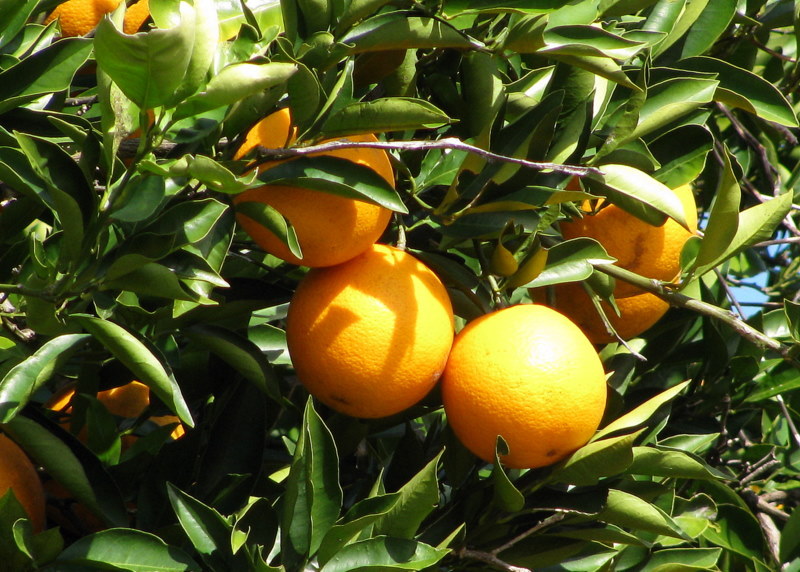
column 448, row 143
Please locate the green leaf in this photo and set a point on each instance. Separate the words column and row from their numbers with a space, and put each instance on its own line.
column 755, row 224
column 418, row 498
column 140, row 360
column 672, row 100
column 629, row 511
column 603, row 458
column 736, row 529
column 25, row 378
column 506, row 496
column 385, row 553
column 384, row 115
column 571, row 261
column 394, row 31
column 723, row 222
column 313, row 496
column 274, row 221
column 790, row 538
column 792, row 311
column 745, row 90
column 240, row 353
column 337, row 176
column 127, row 549
column 206, row 529
column 362, row 514
column 712, row 23
column 165, row 65
column 233, row 83
column 683, row 559
column 49, row 70
column 637, row 193
column 641, row 414
column 658, row 462
column 90, row 485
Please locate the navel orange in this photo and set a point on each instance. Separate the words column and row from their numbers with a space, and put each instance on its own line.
column 370, row 337
column 528, row 374
column 330, row 229
column 651, row 251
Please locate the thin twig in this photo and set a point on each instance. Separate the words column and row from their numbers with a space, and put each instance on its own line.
column 729, row 293
column 677, row 299
column 789, row 421
column 447, row 143
column 491, row 559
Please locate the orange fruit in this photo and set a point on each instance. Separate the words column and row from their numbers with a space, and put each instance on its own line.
column 651, row 251
column 79, row 17
column 637, row 313
column 528, row 374
column 128, row 401
column 18, row 474
column 370, row 337
column 330, row 229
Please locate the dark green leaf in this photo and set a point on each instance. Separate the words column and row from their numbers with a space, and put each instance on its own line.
column 127, row 549
column 25, row 379
column 140, row 360
column 630, row 511
column 385, row 553
column 240, row 353
column 394, row 30
column 207, row 530
column 603, row 458
column 570, row 261
column 384, row 115
column 642, row 413
column 337, row 176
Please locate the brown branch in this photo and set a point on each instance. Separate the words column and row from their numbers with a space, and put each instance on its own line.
column 668, row 293
column 448, row 143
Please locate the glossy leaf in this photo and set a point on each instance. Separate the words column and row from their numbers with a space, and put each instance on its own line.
column 313, row 496
column 27, row 377
column 127, row 549
column 207, row 530
column 394, row 31
column 387, row 553
column 629, row 511
column 601, row 458
column 337, row 176
column 570, row 261
column 140, row 360
column 384, row 115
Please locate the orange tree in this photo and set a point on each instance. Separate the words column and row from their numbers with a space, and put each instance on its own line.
column 122, row 260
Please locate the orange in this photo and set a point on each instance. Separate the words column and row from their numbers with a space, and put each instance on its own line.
column 638, row 313
column 528, row 374
column 79, row 17
column 18, row 474
column 330, row 229
column 651, row 251
column 370, row 337
column 128, row 401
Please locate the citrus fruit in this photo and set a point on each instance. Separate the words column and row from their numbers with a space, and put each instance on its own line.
column 330, row 229
column 18, row 474
column 128, row 401
column 637, row 313
column 528, row 374
column 79, row 17
column 651, row 251
column 370, row 337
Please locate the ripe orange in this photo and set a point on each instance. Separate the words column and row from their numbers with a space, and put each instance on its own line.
column 652, row 251
column 330, row 229
column 638, row 313
column 79, row 17
column 18, row 474
column 370, row 337
column 529, row 374
column 128, row 401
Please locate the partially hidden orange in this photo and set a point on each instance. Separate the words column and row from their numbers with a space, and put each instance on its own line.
column 79, row 17
column 128, row 401
column 330, row 228
column 528, row 374
column 18, row 474
column 370, row 337
column 651, row 251
column 637, row 313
